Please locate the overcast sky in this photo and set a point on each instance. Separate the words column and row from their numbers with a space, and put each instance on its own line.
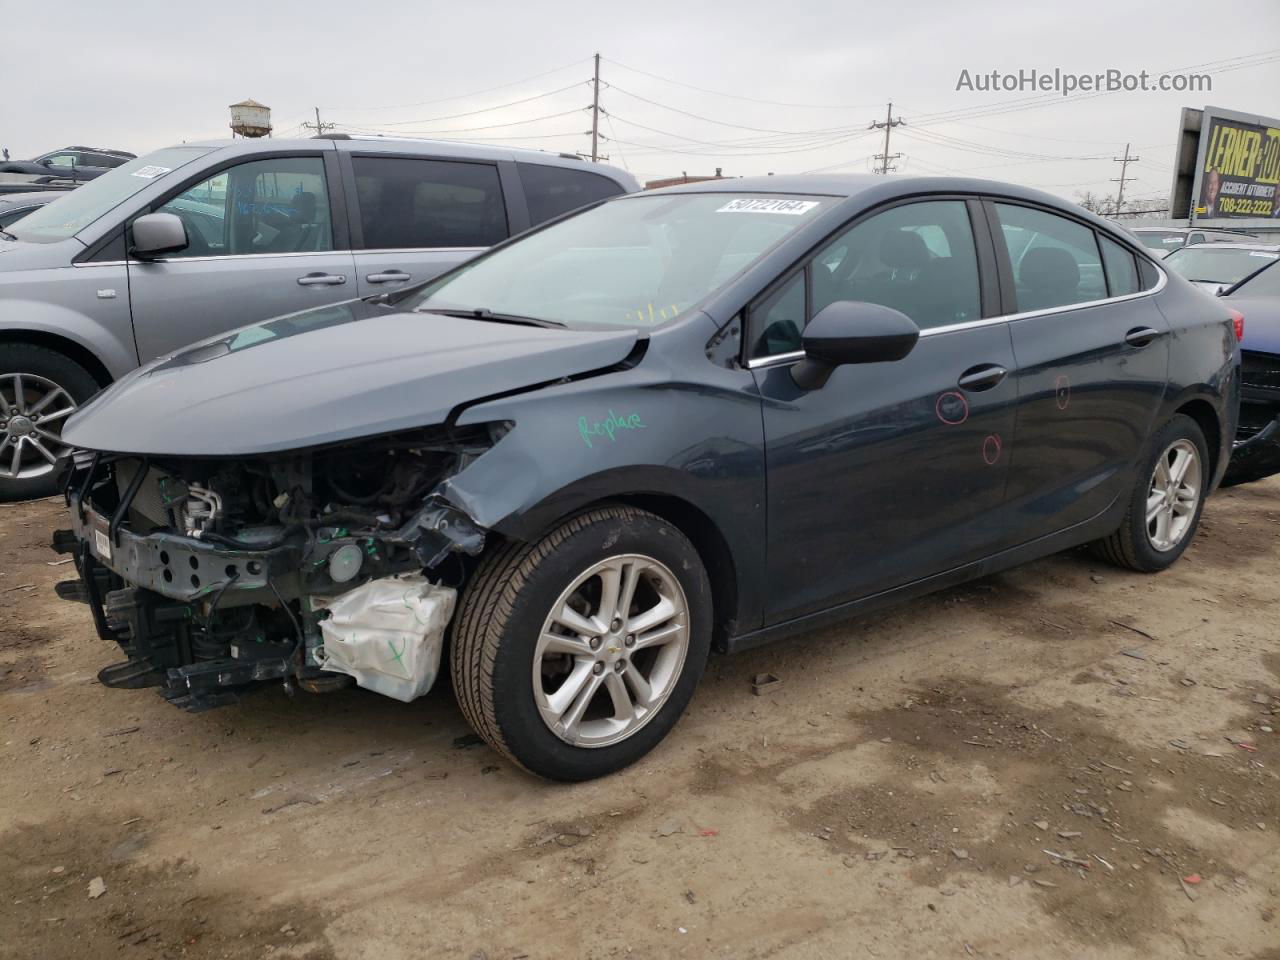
column 144, row 74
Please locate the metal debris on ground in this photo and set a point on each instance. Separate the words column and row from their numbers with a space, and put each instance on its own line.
column 763, row 683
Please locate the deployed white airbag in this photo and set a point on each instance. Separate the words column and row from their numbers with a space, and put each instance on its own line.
column 388, row 634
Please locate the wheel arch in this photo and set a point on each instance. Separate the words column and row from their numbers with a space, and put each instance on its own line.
column 703, row 532
column 1206, row 417
column 64, row 345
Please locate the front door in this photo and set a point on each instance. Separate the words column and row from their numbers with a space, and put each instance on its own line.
column 890, row 472
column 260, row 244
column 1093, row 361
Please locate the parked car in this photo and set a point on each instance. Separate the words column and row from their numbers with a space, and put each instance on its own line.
column 1162, row 241
column 192, row 240
column 15, row 206
column 1215, row 268
column 70, row 163
column 713, row 414
column 1257, row 450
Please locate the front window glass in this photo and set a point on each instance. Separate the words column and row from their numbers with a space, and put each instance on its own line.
column 1264, row 283
column 1162, row 240
column 280, row 205
column 636, row 262
column 1214, row 264
column 918, row 259
column 1055, row 260
column 69, row 214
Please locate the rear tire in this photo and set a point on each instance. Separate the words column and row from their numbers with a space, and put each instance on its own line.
column 516, row 667
column 44, row 375
column 1163, row 515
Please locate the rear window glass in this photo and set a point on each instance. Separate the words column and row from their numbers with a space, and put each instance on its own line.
column 408, row 203
column 1122, row 272
column 551, row 191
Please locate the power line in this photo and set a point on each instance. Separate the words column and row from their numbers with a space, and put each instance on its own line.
column 735, row 96
column 469, row 113
column 490, row 126
column 465, row 96
column 723, row 123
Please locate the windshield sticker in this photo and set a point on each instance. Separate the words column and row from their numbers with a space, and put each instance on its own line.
column 794, row 207
column 1263, row 253
column 608, row 427
column 151, row 172
column 1171, row 240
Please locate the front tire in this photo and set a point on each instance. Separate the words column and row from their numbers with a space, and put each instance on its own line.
column 39, row 390
column 1166, row 503
column 574, row 656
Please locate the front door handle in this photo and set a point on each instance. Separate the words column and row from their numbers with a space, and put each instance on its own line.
column 982, row 377
column 388, row 276
column 1140, row 336
column 321, row 280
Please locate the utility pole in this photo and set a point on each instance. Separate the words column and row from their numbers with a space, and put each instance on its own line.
column 889, row 124
column 319, row 127
column 1122, row 179
column 595, row 114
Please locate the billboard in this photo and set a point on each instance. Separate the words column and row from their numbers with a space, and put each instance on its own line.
column 1236, row 173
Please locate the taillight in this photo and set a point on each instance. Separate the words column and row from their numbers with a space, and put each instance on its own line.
column 1237, row 321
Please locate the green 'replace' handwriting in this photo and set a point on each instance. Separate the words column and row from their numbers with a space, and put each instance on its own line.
column 608, row 427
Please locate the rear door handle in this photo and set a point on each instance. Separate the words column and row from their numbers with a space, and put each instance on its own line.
column 982, row 377
column 388, row 276
column 1140, row 336
column 322, row 280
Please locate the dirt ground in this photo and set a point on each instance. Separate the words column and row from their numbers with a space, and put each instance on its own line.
column 1066, row 760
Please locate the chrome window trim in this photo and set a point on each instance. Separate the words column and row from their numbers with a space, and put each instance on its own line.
column 1162, row 278
column 242, row 256
column 420, row 250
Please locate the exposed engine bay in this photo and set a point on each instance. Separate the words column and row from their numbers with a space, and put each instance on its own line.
column 216, row 574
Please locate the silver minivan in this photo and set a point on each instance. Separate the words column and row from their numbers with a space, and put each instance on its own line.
column 192, row 240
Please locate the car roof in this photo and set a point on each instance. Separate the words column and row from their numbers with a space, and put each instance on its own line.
column 870, row 188
column 1241, row 245
column 418, row 145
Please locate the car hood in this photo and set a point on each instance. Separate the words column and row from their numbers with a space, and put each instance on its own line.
column 1261, row 322
column 24, row 255
column 326, row 375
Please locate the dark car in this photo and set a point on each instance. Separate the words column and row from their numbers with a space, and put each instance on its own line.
column 710, row 415
column 69, row 163
column 15, row 206
column 1257, row 450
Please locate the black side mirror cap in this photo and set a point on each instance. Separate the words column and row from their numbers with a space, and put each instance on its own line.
column 850, row 331
column 157, row 233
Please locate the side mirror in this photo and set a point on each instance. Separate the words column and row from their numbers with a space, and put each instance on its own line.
column 157, row 233
column 849, row 331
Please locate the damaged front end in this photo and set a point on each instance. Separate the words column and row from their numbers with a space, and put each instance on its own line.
column 1256, row 453
column 312, row 568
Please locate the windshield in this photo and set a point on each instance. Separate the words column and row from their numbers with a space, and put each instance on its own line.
column 1264, row 283
column 1162, row 239
column 1219, row 264
column 69, row 214
column 637, row 261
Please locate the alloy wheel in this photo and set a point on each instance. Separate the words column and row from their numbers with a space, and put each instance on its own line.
column 611, row 651
column 32, row 411
column 1174, row 495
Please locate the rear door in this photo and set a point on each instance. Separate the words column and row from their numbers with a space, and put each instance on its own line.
column 890, row 472
column 1092, row 355
column 415, row 217
column 266, row 236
